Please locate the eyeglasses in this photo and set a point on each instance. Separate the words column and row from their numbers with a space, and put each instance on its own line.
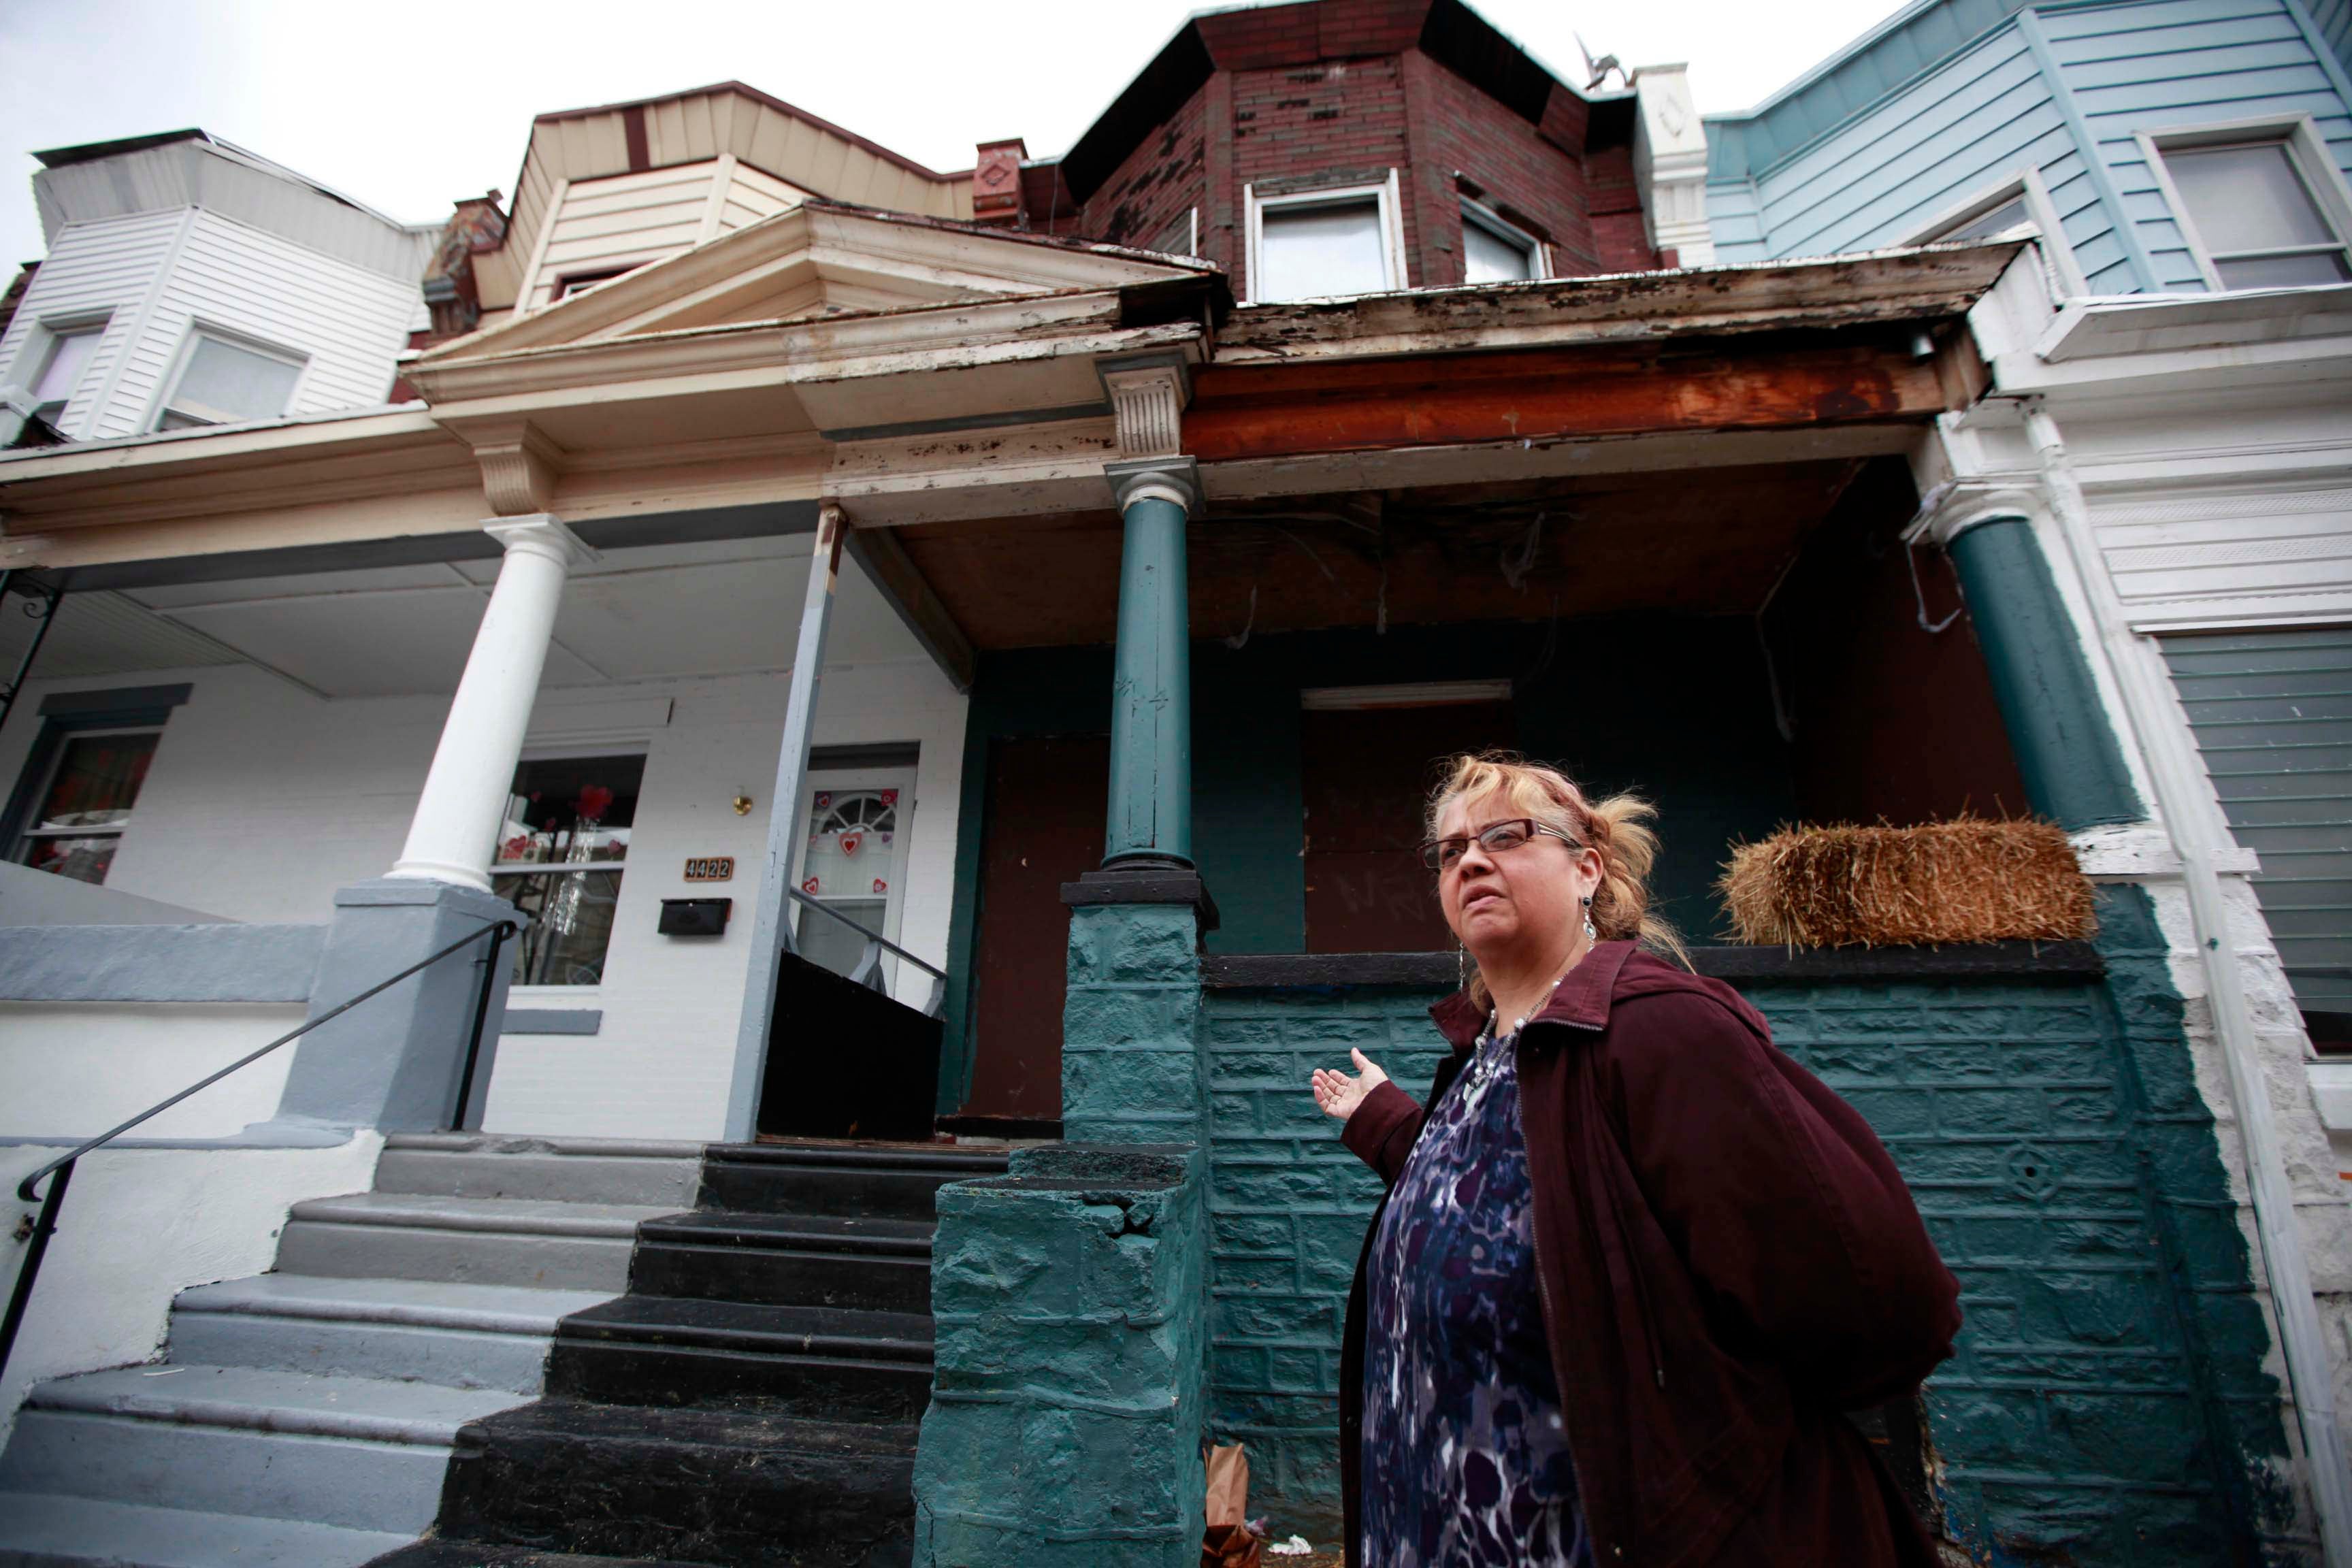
column 1494, row 838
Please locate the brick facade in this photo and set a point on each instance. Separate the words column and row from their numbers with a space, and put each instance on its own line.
column 1307, row 96
column 2108, row 1400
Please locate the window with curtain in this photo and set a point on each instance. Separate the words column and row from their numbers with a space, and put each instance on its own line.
column 2260, row 226
column 1494, row 252
column 224, row 383
column 86, row 803
column 559, row 859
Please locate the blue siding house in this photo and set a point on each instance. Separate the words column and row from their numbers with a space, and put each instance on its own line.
column 2165, row 433
column 1957, row 107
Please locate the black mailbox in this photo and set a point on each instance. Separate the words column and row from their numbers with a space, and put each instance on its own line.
column 694, row 917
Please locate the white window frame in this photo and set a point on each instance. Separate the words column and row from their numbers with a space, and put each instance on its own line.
column 41, row 346
column 2306, row 152
column 200, row 329
column 1503, row 229
column 2049, row 230
column 636, row 746
column 33, row 832
column 1389, row 193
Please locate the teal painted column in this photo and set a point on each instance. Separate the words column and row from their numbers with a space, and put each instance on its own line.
column 1151, row 681
column 2066, row 750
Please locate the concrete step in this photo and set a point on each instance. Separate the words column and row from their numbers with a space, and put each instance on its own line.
column 459, row 1336
column 533, row 1242
column 897, row 1180
column 571, row 1170
column 51, row 1531
column 815, row 1260
column 742, row 1484
column 358, row 1453
column 803, row 1361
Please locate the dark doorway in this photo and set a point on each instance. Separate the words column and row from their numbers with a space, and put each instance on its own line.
column 1365, row 775
column 1046, row 804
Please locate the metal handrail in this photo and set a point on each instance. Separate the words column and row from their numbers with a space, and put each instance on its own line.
column 45, row 1226
column 869, row 972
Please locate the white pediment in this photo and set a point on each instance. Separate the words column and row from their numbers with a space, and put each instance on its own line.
column 817, row 261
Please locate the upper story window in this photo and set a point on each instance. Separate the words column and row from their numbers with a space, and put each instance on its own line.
column 1313, row 244
column 581, row 282
column 1994, row 221
column 86, row 803
column 1494, row 252
column 66, row 360
column 222, row 383
column 2252, row 211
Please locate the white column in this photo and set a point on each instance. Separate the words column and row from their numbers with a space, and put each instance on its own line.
column 457, row 818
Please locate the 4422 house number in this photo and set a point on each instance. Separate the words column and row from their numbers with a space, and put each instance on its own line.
column 710, row 868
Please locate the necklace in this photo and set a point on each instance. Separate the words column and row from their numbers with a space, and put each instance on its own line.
column 1521, row 1022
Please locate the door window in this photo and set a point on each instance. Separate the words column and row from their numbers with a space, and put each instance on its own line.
column 853, row 862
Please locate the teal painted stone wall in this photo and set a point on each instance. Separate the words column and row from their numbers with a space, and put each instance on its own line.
column 2107, row 1402
column 1131, row 1065
column 1067, row 1406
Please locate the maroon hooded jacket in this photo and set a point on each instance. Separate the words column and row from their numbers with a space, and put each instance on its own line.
column 1727, row 1259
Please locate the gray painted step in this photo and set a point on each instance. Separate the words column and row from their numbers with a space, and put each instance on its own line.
column 463, row 1336
column 354, row 1453
column 529, row 1242
column 572, row 1169
column 45, row 1530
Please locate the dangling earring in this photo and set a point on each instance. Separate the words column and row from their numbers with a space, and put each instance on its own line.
column 1461, row 966
column 1591, row 934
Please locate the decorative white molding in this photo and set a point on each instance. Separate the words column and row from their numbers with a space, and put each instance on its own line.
column 518, row 468
column 1147, row 395
column 1953, row 508
column 1670, row 165
column 542, row 533
column 1173, row 479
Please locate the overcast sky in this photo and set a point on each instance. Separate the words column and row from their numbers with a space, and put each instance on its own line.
column 406, row 106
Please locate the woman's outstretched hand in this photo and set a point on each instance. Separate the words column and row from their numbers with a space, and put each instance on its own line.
column 1339, row 1095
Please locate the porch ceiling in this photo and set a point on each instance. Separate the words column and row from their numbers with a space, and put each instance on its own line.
column 1708, row 543
column 658, row 613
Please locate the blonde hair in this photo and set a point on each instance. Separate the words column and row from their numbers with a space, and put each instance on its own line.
column 1615, row 828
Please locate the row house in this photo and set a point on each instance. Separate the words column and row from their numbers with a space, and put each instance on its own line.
column 804, row 763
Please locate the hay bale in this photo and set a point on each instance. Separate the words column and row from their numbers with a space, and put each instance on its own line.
column 1970, row 879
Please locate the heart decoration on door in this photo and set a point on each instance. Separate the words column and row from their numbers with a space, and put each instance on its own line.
column 809, row 886
column 850, row 842
column 880, row 886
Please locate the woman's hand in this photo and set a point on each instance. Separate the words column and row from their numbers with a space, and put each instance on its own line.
column 1337, row 1095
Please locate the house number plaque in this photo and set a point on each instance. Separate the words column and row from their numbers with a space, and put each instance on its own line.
column 710, row 868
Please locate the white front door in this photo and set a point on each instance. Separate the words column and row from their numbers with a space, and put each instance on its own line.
column 853, row 859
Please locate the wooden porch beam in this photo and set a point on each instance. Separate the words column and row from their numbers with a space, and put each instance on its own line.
column 904, row 587
column 1618, row 390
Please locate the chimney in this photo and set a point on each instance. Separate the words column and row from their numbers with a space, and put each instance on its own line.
column 996, row 195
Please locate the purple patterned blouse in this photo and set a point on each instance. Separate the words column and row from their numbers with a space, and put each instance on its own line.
column 1465, row 1457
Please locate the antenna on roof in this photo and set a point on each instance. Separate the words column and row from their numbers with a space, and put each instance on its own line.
column 1597, row 71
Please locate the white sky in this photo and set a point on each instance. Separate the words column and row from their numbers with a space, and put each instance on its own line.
column 406, row 106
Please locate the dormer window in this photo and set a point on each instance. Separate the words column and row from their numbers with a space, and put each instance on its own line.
column 1494, row 251
column 1312, row 245
column 71, row 350
column 225, row 383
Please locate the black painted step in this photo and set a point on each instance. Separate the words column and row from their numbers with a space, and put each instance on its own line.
column 881, row 1180
column 437, row 1553
column 816, row 1260
column 669, row 1351
column 748, row 1486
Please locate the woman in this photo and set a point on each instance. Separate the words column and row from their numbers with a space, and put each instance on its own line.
column 1634, row 1261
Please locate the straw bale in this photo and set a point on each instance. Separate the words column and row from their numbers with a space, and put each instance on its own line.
column 1968, row 880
